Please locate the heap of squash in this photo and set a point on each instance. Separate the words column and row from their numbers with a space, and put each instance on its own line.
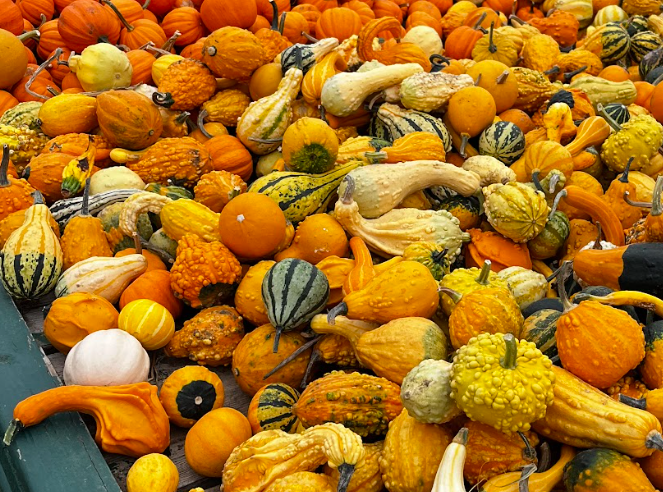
column 433, row 219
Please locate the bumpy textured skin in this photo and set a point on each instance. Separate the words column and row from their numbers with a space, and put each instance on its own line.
column 365, row 404
column 639, row 138
column 269, row 455
column 367, row 476
column 23, row 142
column 180, row 160
column 534, row 89
column 217, row 188
column 15, row 220
column 431, row 91
column 110, row 221
column 652, row 368
column 209, row 338
column 226, row 106
column 83, row 237
column 189, row 82
column 513, row 398
column 412, row 454
column 232, row 53
column 425, row 392
column 606, row 92
column 302, row 482
column 464, row 281
column 23, row 114
column 540, row 52
column 203, row 271
column 431, row 255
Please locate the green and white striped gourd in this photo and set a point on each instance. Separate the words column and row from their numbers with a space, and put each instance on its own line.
column 643, row 43
column 64, row 210
column 527, row 286
column 503, row 141
column 635, row 24
column 392, row 122
column 271, row 408
column 308, row 55
column 31, row 259
column 540, row 328
column 293, row 292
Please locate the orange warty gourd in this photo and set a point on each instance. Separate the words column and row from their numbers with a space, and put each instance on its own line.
column 252, row 226
column 155, row 286
column 316, row 238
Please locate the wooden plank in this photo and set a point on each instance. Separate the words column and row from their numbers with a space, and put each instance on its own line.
column 59, row 455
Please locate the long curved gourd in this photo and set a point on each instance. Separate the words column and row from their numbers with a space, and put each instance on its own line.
column 584, row 417
column 449, row 476
column 270, row 455
column 130, row 419
column 377, row 189
column 64, row 210
column 595, row 207
column 363, row 271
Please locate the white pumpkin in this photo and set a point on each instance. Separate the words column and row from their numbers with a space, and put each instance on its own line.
column 107, row 358
column 527, row 286
column 115, row 178
column 426, row 38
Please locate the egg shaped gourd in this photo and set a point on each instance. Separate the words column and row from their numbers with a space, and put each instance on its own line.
column 471, row 110
column 189, row 393
column 148, row 321
column 318, row 237
column 293, row 292
column 101, row 67
column 310, row 146
column 154, row 472
column 106, row 358
column 68, row 113
column 129, row 119
column 426, row 390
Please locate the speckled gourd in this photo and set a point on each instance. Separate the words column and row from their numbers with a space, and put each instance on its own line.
column 431, row 91
column 426, row 392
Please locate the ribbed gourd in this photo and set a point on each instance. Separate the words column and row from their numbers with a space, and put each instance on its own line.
column 392, row 122
column 271, row 408
column 502, row 140
column 293, row 291
column 31, row 259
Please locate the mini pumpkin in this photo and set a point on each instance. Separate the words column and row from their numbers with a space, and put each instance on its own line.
column 153, row 285
column 316, row 238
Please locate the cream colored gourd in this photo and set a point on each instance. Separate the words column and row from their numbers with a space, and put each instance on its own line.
column 107, row 358
column 376, row 192
column 101, row 67
column 431, row 91
column 115, row 178
column 489, row 170
column 394, row 231
column 426, row 38
column 344, row 93
column 449, row 476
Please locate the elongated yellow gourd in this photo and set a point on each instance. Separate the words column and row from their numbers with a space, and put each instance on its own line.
column 449, row 476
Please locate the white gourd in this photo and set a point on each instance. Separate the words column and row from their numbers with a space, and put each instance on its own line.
column 115, row 178
column 449, row 476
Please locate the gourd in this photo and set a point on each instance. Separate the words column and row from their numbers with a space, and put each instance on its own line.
column 310, row 146
column 268, row 118
column 88, row 361
column 15, row 194
column 425, row 392
column 248, row 297
column 118, row 241
column 449, row 476
column 534, row 89
column 72, row 318
column 593, row 466
column 392, row 122
column 602, row 91
column 153, row 471
column 543, row 481
column 411, row 147
column 64, row 210
column 129, row 418
column 330, row 65
column 611, row 42
column 503, row 141
column 650, row 370
column 318, row 237
column 176, row 89
column 68, row 113
column 614, row 198
column 638, row 138
column 115, row 178
column 310, row 54
column 592, row 131
column 545, row 156
column 217, row 188
column 367, row 477
column 411, row 454
column 232, row 53
column 489, row 169
column 393, row 349
column 327, row 443
column 271, row 409
column 344, row 93
column 204, row 452
column 431, row 91
column 497, row 46
column 466, row 280
column 173, row 192
column 548, row 242
column 101, row 67
column 189, row 393
column 204, row 272
column 364, row 404
column 304, row 481
column 526, row 285
column 392, row 232
column 149, row 322
column 155, row 286
column 182, row 217
column 128, row 119
column 224, row 107
column 293, row 291
column 431, row 255
column 299, row 194
column 381, row 299
column 595, row 207
column 209, row 338
column 31, row 259
column 377, row 192
column 254, row 358
column 502, row 353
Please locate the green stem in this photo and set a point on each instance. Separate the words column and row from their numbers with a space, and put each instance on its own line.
column 484, row 274
column 454, row 294
column 613, row 124
column 657, row 208
column 511, row 353
column 491, row 46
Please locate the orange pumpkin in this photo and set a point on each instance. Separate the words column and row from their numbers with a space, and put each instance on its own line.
column 49, row 39
column 461, row 41
column 221, row 13
column 229, row 154
column 11, row 18
column 317, row 237
column 267, row 11
column 424, row 6
column 86, row 22
column 14, row 59
column 252, row 226
column 33, row 10
column 7, row 101
column 187, row 21
column 141, row 62
column 321, row 5
column 310, row 13
column 364, row 11
column 131, row 10
column 294, row 25
column 656, row 103
column 387, row 8
column 340, row 23
column 45, row 173
column 155, row 286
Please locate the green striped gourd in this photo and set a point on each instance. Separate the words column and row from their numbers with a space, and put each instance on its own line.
column 308, row 54
column 64, row 210
column 293, row 292
column 617, row 112
column 271, row 409
column 262, row 125
column 503, row 141
column 650, row 62
column 635, row 24
column 110, row 221
column 102, row 276
column 642, row 43
column 299, row 194
column 540, row 328
column 610, row 42
column 31, row 259
column 173, row 192
column 392, row 122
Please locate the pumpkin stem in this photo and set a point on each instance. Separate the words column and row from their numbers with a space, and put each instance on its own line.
column 478, row 80
column 14, row 426
column 569, row 75
column 491, row 46
column 552, row 71
column 282, row 23
column 340, row 309
column 182, row 117
column 511, row 353
column 654, row 441
column 501, row 78
column 484, row 274
column 438, row 62
column 146, row 4
column 601, row 110
column 563, row 273
column 374, row 100
column 309, row 37
column 536, row 181
column 56, row 54
column 349, row 190
column 516, row 20
column 85, row 206
column 161, row 253
column 124, row 22
column 137, row 244
column 597, row 242
column 454, row 294
column 481, row 19
column 164, row 99
column 293, row 356
column 657, row 208
column 4, row 167
column 201, row 123
column 298, row 58
column 275, row 16
column 30, row 34
column 640, row 403
column 624, row 177
column 658, row 80
column 345, row 475
column 554, row 180
column 463, row 144
column 170, row 42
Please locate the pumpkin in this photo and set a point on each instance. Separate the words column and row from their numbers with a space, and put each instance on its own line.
column 205, row 452
column 85, row 22
column 338, row 23
column 128, row 119
column 461, row 41
column 464, row 105
column 148, row 321
column 155, row 286
column 254, row 358
column 185, row 85
column 248, row 297
column 596, row 466
column 398, row 53
column 68, row 113
column 232, row 53
column 153, row 471
column 316, row 238
column 189, row 393
column 216, row 14
column 209, row 338
column 15, row 194
column 188, row 21
column 310, row 145
column 45, row 173
column 114, row 348
column 271, row 408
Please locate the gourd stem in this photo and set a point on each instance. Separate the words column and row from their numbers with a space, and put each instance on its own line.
column 484, row 274
column 563, row 273
column 309, row 37
column 38, row 198
column 636, row 204
column 282, row 23
column 349, row 190
column 438, row 62
column 516, row 20
column 293, row 356
column 554, row 179
column 552, row 71
column 511, row 353
column 654, row 440
column 529, row 452
column 56, row 54
column 613, row 124
column 137, row 244
column 463, row 144
column 461, row 437
column 85, row 208
column 170, row 42
column 536, row 181
column 454, row 294
column 275, row 16
column 164, row 99
column 481, row 19
column 14, row 426
column 501, row 78
column 597, row 241
column 657, row 208
column 298, row 58
column 4, row 167
column 624, row 177
column 558, row 197
column 201, row 123
column 341, row 309
column 545, row 459
column 523, row 481
column 345, row 472
column 569, row 75
column 478, row 80
column 491, row 46
column 315, row 357
column 658, row 80
column 182, row 117
column 124, row 22
column 640, row 403
column 277, row 338
column 161, row 253
column 146, row 4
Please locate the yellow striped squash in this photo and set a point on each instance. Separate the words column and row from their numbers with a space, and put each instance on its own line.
column 149, row 322
column 31, row 259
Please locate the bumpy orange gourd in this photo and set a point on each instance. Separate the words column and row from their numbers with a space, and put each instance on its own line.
column 128, row 119
column 316, row 238
column 216, row 189
column 185, row 85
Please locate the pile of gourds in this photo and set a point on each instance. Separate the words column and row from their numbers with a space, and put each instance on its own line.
column 433, row 219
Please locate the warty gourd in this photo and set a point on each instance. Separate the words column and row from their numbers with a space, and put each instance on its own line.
column 431, row 91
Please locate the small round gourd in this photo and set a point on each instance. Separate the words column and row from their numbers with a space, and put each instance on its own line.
column 310, row 146
column 153, row 472
column 540, row 328
column 148, row 321
column 106, row 358
column 503, row 141
column 248, row 297
column 425, row 392
column 189, row 393
column 271, row 408
column 526, row 285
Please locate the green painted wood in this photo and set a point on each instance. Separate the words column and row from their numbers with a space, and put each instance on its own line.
column 58, row 455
